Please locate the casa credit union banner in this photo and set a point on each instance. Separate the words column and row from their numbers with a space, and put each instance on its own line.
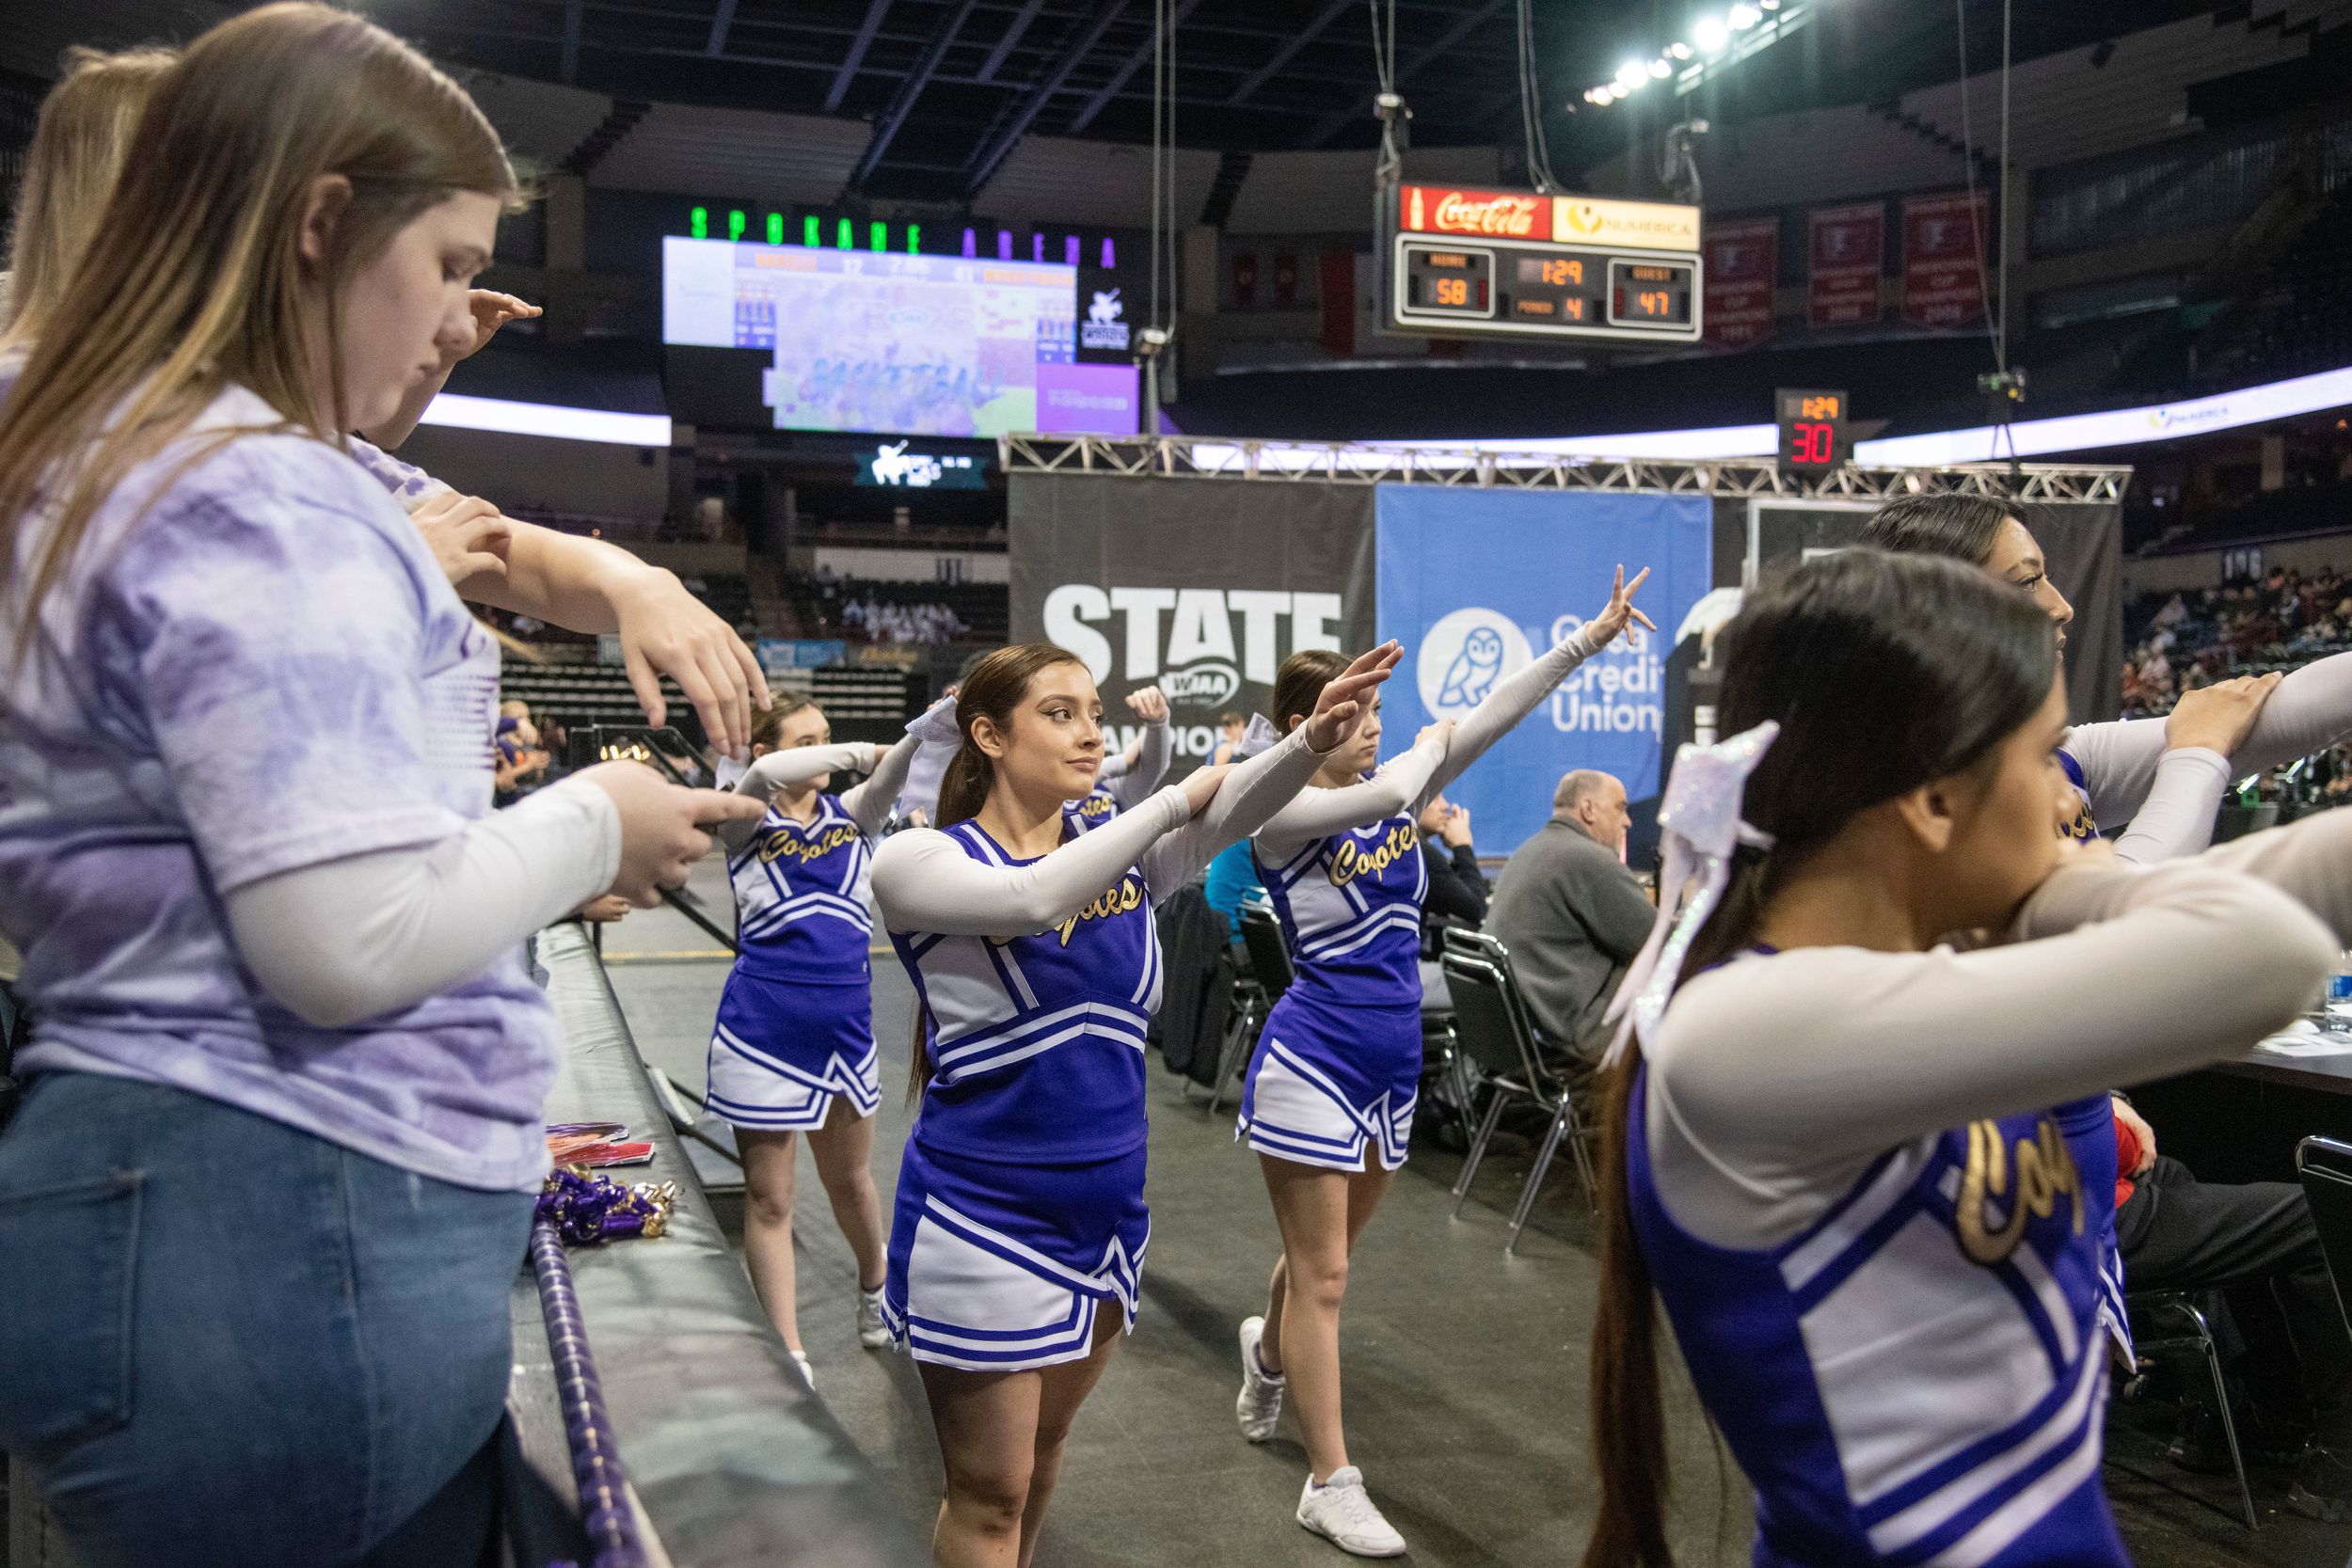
column 1475, row 583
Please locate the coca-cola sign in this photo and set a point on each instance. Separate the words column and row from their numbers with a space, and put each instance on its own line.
column 1441, row 209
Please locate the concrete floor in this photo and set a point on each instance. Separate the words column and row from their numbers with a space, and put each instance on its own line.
column 1465, row 1368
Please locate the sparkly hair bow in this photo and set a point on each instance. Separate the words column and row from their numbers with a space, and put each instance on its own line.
column 936, row 724
column 1701, row 828
column 1261, row 736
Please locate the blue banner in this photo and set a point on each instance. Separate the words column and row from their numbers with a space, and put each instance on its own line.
column 1475, row 583
column 778, row 654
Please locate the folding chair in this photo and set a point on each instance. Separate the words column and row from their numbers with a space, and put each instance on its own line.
column 1492, row 1024
column 2195, row 1334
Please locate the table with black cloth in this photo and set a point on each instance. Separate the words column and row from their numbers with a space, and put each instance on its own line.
column 2240, row 1121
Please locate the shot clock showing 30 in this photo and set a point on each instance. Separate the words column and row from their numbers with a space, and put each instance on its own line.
column 1813, row 438
column 1528, row 264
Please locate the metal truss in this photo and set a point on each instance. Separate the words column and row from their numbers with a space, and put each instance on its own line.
column 1347, row 463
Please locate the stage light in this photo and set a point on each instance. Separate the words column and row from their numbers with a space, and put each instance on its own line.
column 698, row 223
column 915, row 240
column 1661, row 70
column 775, row 229
column 812, row 230
column 1679, row 50
column 1631, row 77
column 1744, row 17
column 878, row 236
column 1711, row 35
column 1769, row 4
column 841, row 236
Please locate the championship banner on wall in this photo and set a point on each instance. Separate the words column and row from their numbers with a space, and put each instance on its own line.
column 1742, row 275
column 1847, row 244
column 1475, row 583
column 1201, row 587
column 1946, row 248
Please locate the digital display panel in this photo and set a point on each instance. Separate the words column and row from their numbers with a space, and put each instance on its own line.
column 1531, row 265
column 1813, row 434
column 922, row 345
column 1650, row 292
column 1450, row 280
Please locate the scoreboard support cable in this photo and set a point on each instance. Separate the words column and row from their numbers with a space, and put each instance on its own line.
column 1523, row 264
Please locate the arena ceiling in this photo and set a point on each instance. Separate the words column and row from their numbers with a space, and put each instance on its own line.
column 950, row 87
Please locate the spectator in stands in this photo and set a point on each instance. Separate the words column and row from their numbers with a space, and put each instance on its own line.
column 1571, row 914
column 284, row 840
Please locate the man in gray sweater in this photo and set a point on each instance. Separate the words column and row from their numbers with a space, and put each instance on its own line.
column 1571, row 914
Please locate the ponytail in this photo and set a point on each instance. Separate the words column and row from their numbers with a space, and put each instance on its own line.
column 1628, row 1419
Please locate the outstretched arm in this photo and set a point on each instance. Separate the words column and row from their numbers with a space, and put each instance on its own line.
column 778, row 771
column 869, row 804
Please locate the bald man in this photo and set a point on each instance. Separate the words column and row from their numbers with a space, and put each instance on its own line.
column 1571, row 914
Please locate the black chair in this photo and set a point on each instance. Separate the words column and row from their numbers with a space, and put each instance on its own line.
column 2194, row 1333
column 1492, row 1025
column 1269, row 953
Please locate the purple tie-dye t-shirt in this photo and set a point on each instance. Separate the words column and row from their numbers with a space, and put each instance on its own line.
column 264, row 670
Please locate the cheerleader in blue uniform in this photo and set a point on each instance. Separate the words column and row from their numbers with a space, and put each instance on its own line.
column 1020, row 1228
column 1329, row 1101
column 1838, row 1149
column 794, row 1047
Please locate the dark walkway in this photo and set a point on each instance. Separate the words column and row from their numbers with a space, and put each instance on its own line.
column 1465, row 1368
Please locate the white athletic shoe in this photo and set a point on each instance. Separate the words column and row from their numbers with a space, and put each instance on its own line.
column 872, row 1332
column 1342, row 1512
column 1260, row 1407
column 800, row 1359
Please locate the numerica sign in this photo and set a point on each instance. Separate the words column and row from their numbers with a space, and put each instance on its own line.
column 1562, row 219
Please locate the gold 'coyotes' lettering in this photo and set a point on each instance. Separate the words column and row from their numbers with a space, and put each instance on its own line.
column 1353, row 860
column 2045, row 1170
column 1126, row 896
column 781, row 844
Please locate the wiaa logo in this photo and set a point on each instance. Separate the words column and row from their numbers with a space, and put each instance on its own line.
column 1106, row 327
column 1207, row 684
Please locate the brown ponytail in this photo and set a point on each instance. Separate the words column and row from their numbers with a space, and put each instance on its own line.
column 995, row 687
column 1628, row 1416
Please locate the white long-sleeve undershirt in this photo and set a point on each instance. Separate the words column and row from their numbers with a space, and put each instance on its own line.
column 868, row 803
column 1135, row 781
column 353, row 939
column 1407, row 782
column 923, row 881
column 1774, row 1080
column 2128, row 771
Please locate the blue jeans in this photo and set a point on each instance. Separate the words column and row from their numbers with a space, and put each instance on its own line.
column 224, row 1341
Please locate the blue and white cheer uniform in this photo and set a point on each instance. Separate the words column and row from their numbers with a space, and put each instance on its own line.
column 1019, row 1213
column 795, row 1025
column 1337, row 1072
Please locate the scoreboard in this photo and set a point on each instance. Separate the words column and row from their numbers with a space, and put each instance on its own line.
column 1530, row 265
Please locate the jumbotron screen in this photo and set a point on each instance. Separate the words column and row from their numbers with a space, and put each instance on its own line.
column 871, row 342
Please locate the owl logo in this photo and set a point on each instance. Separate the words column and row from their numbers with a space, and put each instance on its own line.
column 1462, row 657
column 1472, row 673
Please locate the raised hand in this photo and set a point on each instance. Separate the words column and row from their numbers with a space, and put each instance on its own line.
column 492, row 311
column 1609, row 622
column 1341, row 707
column 1149, row 704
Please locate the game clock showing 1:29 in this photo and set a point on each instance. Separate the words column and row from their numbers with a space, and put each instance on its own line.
column 1813, row 438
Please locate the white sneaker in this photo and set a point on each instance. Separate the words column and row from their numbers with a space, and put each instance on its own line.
column 1342, row 1512
column 1260, row 1407
column 872, row 1332
column 800, row 1359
